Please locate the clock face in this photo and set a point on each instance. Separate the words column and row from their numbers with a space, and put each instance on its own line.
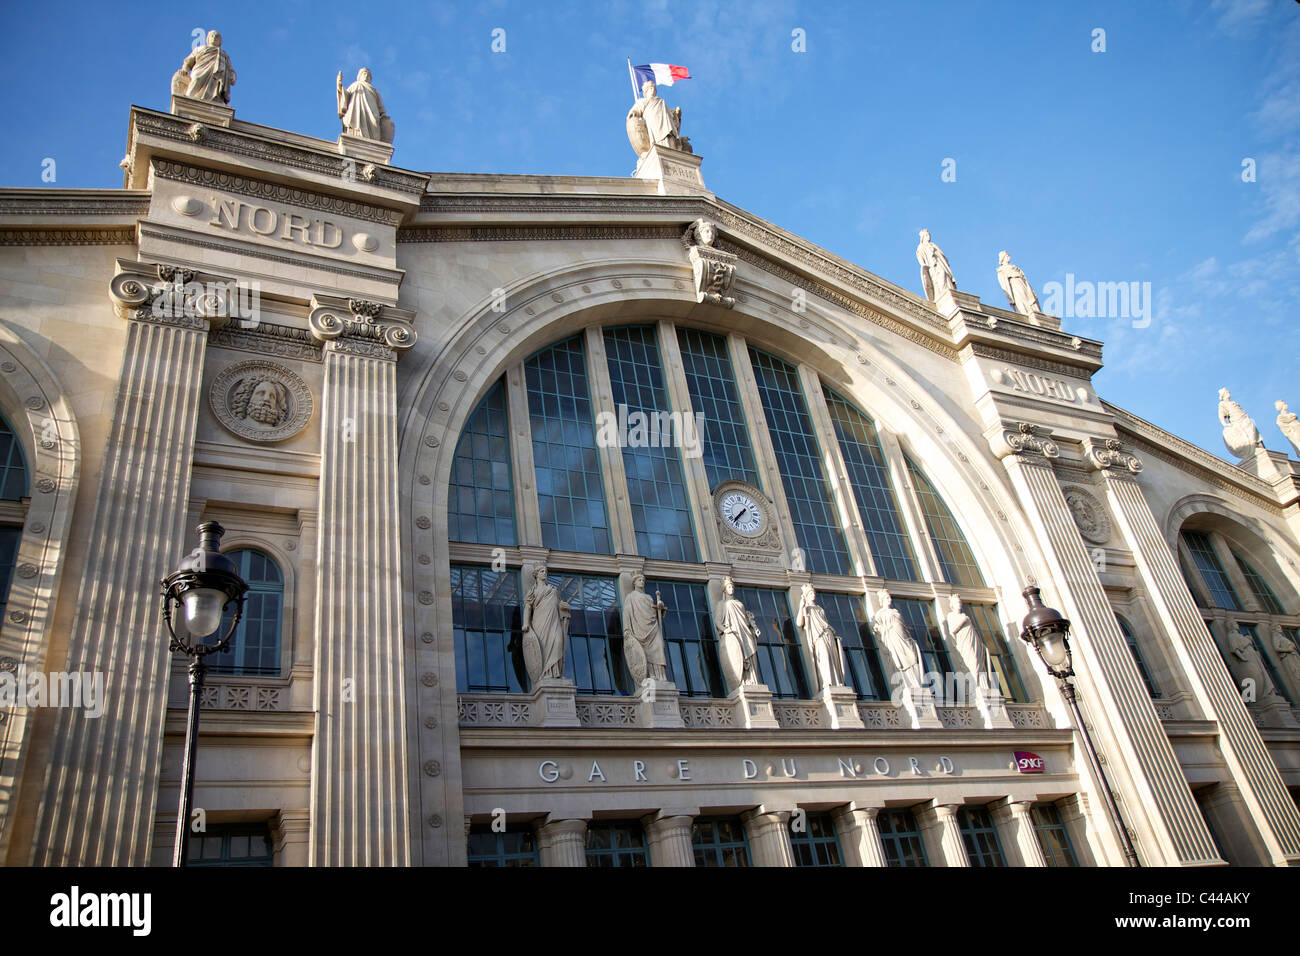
column 742, row 512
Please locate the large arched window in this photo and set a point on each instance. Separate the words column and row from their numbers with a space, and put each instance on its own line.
column 1228, row 573
column 255, row 647
column 645, row 503
column 13, row 488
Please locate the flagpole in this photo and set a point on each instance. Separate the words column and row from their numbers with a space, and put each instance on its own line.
column 632, row 76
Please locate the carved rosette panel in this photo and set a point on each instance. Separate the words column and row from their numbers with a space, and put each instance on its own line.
column 261, row 401
column 1089, row 515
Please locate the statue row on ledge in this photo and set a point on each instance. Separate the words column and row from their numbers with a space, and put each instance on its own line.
column 208, row 75
column 546, row 617
column 1240, row 434
column 937, row 278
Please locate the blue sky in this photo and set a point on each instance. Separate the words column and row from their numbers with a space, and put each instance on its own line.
column 1115, row 166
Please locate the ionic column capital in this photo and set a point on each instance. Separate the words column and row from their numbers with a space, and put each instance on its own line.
column 171, row 295
column 1024, row 440
column 360, row 327
column 1104, row 453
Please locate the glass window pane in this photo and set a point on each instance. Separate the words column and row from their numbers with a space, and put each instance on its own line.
column 565, row 458
column 956, row 560
column 1207, row 562
column 728, row 454
column 780, row 665
column 254, row 648
column 890, row 548
column 480, row 495
column 800, row 461
column 486, row 626
column 655, row 487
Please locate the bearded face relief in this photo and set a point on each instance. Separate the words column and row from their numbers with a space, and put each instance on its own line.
column 261, row 401
column 268, row 403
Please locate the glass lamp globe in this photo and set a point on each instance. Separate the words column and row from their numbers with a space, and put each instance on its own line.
column 203, row 607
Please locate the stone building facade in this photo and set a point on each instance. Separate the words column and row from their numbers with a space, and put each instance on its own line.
column 395, row 391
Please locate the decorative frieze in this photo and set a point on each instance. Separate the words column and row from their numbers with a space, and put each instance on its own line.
column 276, row 192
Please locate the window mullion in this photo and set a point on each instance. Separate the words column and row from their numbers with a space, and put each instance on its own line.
column 622, row 531
column 528, row 524
column 855, row 535
column 910, row 505
column 696, row 478
column 764, row 453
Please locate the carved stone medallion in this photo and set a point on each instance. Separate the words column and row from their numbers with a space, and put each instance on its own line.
column 1089, row 515
column 261, row 401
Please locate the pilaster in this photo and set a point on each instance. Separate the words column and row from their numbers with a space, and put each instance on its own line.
column 939, row 825
column 769, row 836
column 101, row 793
column 563, row 842
column 1253, row 771
column 859, row 835
column 1016, row 827
column 359, row 759
column 669, row 836
column 1144, row 772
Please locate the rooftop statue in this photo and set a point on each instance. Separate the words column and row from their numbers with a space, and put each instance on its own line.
column 936, row 274
column 206, row 73
column 651, row 123
column 1017, row 288
column 362, row 109
column 1289, row 425
column 1239, row 431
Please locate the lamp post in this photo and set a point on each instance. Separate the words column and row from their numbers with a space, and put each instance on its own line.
column 203, row 586
column 1048, row 633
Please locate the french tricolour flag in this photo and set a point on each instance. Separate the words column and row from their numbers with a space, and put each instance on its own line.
column 664, row 74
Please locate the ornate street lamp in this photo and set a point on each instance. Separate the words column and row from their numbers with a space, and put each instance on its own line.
column 203, row 586
column 1048, row 633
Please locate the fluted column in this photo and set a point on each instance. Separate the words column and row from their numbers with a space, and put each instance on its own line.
column 1013, row 819
column 1259, row 784
column 769, row 836
column 101, row 794
column 859, row 835
column 563, row 842
column 359, row 761
column 1144, row 772
column 669, row 836
column 940, row 824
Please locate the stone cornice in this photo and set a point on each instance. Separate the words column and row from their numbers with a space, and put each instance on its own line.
column 1182, row 454
column 276, row 192
column 527, row 233
column 1030, row 359
column 269, row 339
column 107, row 236
column 45, row 203
column 263, row 148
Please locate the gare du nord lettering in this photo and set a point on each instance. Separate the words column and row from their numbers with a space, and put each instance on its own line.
column 241, row 216
column 552, row 771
